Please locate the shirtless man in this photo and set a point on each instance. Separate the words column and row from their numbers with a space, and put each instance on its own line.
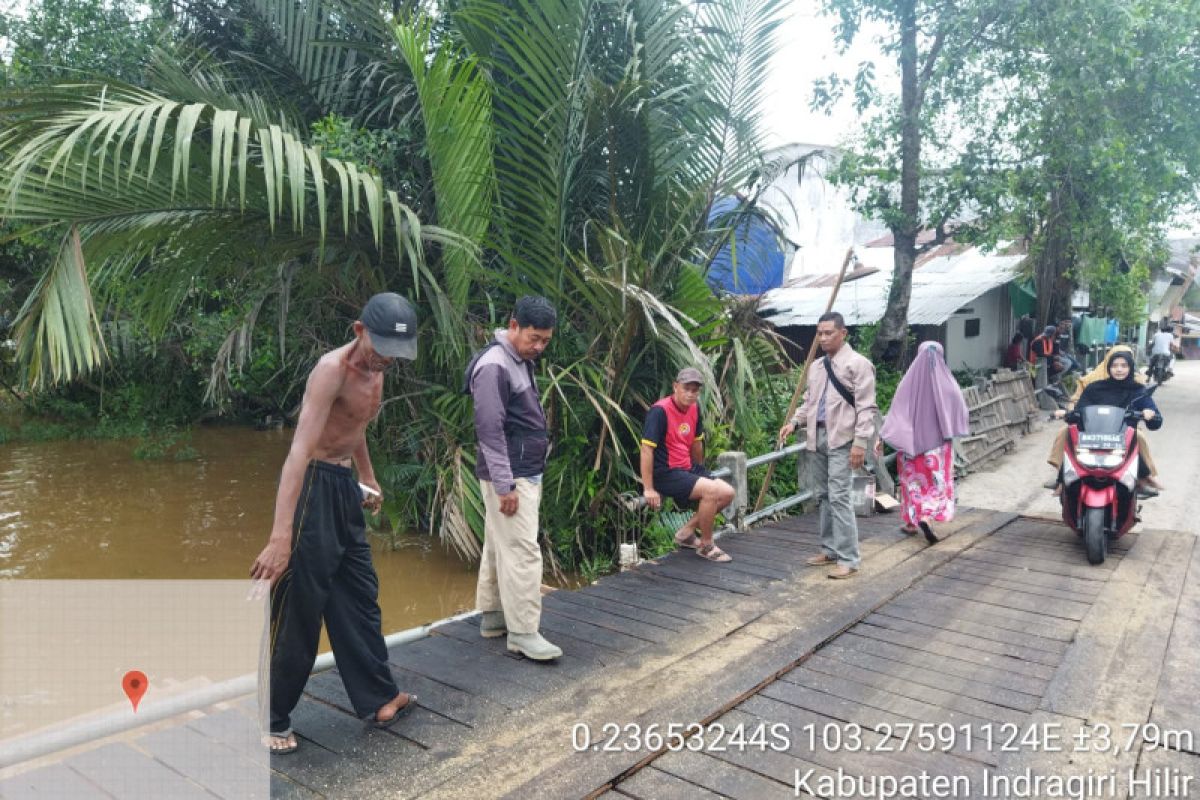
column 317, row 559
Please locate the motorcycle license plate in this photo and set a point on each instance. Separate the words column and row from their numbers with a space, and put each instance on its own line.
column 1101, row 441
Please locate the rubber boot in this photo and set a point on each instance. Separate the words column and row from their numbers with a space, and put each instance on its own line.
column 491, row 624
column 532, row 645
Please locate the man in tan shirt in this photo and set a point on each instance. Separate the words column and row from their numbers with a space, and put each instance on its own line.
column 838, row 412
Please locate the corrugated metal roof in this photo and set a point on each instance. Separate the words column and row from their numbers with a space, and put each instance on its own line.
column 941, row 287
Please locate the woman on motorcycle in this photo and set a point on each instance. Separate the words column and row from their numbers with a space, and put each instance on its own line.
column 1123, row 390
column 1100, row 373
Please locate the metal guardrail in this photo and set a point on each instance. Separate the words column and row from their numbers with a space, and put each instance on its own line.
column 37, row 744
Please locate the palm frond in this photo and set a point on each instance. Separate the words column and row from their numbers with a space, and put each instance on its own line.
column 455, row 102
column 112, row 158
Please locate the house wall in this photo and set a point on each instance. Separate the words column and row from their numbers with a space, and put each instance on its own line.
column 996, row 327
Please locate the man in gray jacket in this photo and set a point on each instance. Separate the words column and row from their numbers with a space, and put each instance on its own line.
column 510, row 428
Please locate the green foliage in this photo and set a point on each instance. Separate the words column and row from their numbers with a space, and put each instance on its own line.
column 229, row 213
column 165, row 444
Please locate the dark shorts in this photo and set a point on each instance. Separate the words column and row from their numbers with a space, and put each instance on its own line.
column 677, row 484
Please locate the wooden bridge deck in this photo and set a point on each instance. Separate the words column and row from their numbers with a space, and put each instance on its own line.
column 1003, row 623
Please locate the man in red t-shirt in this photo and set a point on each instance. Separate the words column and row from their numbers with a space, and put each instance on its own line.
column 673, row 464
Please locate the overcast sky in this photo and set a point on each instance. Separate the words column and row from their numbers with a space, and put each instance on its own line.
column 807, row 51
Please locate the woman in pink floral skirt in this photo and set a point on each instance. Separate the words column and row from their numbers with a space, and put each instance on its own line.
column 927, row 411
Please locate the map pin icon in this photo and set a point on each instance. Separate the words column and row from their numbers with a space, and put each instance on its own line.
column 135, row 684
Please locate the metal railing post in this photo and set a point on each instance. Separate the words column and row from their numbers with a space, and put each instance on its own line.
column 735, row 462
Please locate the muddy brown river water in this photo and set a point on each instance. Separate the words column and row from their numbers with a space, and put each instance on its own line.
column 89, row 509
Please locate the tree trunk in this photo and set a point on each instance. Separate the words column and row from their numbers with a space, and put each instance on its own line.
column 1053, row 259
column 891, row 339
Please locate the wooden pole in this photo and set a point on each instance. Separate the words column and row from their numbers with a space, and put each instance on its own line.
column 803, row 382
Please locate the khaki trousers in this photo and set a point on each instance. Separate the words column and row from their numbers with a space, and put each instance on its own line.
column 510, row 571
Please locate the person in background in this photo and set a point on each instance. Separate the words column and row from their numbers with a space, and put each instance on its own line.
column 1163, row 344
column 927, row 412
column 1066, row 347
column 1043, row 348
column 838, row 413
column 672, row 464
column 1014, row 356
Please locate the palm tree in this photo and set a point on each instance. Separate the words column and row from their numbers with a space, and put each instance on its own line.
column 569, row 147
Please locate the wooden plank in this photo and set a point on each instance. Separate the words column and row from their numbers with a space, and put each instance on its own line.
column 690, row 564
column 873, row 719
column 904, row 687
column 1084, row 591
column 721, row 580
column 804, row 729
column 1059, row 609
column 995, row 579
column 442, row 698
column 924, row 644
column 895, row 761
column 350, row 755
column 683, row 609
column 626, row 626
column 222, row 771
column 940, row 621
column 1001, row 617
column 622, row 608
column 1050, row 650
column 1074, row 567
column 780, row 765
column 578, row 658
column 964, row 641
column 945, row 665
column 471, row 675
column 54, row 781
column 1177, row 701
column 283, row 788
column 666, row 590
column 722, row 777
column 125, row 773
column 912, row 710
column 652, row 783
column 788, row 554
column 537, row 676
column 232, row 728
column 420, row 725
column 603, row 637
column 1067, row 553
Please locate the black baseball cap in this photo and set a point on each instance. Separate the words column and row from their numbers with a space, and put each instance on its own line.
column 391, row 322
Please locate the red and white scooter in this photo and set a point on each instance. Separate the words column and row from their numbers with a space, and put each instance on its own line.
column 1099, row 475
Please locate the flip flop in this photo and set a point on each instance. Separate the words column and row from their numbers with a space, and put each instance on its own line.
column 909, row 531
column 713, row 553
column 928, row 531
column 400, row 712
column 692, row 541
column 286, row 749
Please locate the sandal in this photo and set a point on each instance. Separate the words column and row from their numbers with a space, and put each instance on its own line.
column 713, row 553
column 692, row 541
column 911, row 530
column 400, row 712
column 287, row 743
column 930, row 536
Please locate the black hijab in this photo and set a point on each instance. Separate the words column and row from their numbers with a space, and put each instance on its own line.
column 1112, row 392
